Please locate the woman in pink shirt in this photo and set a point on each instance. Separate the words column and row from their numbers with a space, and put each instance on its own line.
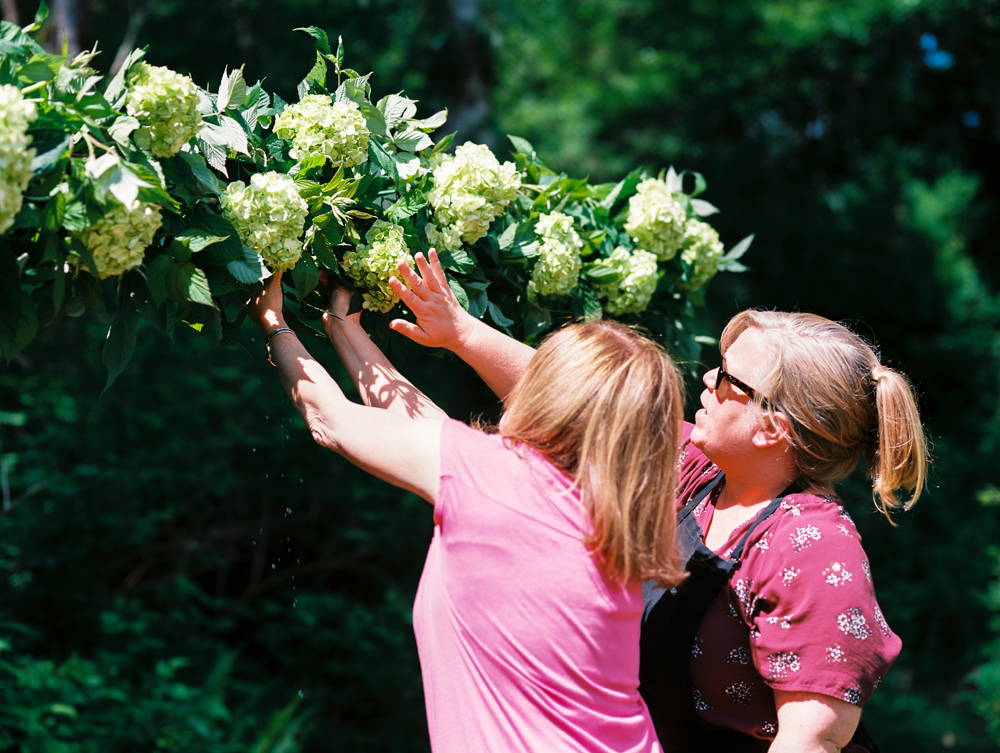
column 528, row 612
column 775, row 640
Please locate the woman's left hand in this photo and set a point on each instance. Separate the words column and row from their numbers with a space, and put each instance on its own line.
column 266, row 306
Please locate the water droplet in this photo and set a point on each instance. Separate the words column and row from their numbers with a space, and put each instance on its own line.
column 267, row 475
column 273, row 566
column 301, row 694
column 288, row 511
column 254, row 542
column 255, row 449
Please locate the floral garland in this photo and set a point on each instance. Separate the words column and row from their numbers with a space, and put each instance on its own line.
column 187, row 198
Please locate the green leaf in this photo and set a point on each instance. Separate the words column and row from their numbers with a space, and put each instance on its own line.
column 120, row 343
column 432, row 123
column 506, row 239
column 412, row 140
column 396, row 108
column 738, row 250
column 305, row 276
column 458, row 260
column 522, row 146
column 51, row 157
column 197, row 240
column 40, row 15
column 156, row 276
column 322, row 42
column 310, row 162
column 122, row 128
column 186, row 282
column 459, row 292
column 250, row 269
column 383, row 159
column 316, row 76
column 444, row 144
column 118, row 179
column 407, row 206
column 601, row 274
column 498, row 316
column 18, row 318
column 702, row 208
column 204, row 177
column 232, row 90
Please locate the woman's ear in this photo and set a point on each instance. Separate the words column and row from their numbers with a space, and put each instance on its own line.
column 774, row 430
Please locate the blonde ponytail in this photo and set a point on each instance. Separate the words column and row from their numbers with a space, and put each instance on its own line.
column 897, row 458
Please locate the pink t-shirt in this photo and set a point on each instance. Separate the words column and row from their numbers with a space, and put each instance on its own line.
column 523, row 645
column 800, row 614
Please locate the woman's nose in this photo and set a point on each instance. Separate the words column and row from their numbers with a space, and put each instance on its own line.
column 709, row 379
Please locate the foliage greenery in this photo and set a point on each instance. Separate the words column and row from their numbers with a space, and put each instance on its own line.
column 853, row 136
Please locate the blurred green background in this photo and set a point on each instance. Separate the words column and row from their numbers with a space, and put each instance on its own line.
column 182, row 569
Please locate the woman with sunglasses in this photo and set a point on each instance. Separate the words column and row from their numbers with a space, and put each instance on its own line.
column 775, row 640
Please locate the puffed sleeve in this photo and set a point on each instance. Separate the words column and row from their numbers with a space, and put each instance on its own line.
column 805, row 588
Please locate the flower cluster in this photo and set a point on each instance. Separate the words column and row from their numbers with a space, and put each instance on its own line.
column 166, row 103
column 118, row 240
column 702, row 250
column 470, row 190
column 370, row 266
column 633, row 291
column 557, row 270
column 337, row 130
column 656, row 219
column 269, row 216
column 15, row 156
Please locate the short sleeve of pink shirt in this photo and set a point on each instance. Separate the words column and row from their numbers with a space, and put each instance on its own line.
column 523, row 645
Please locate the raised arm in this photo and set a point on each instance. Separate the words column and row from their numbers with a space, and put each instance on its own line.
column 403, row 451
column 379, row 383
column 443, row 323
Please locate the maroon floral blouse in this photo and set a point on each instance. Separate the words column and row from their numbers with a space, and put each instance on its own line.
column 799, row 614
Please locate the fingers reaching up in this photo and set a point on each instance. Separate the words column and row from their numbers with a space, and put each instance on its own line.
column 441, row 320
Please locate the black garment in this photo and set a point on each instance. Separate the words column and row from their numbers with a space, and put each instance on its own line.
column 670, row 623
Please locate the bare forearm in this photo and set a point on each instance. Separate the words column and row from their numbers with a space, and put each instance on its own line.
column 378, row 382
column 498, row 359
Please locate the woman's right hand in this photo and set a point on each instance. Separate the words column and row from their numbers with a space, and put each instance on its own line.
column 441, row 320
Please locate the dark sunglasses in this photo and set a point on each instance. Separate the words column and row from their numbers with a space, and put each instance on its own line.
column 723, row 374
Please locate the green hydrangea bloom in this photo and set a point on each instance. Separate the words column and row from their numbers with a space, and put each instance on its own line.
column 118, row 240
column 316, row 125
column 370, row 266
column 470, row 189
column 269, row 216
column 166, row 103
column 632, row 293
column 656, row 219
column 557, row 270
column 16, row 115
column 702, row 250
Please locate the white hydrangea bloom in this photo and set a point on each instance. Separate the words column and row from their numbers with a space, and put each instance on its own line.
column 702, row 249
column 16, row 115
column 269, row 216
column 166, row 103
column 371, row 265
column 656, row 219
column 632, row 293
column 316, row 125
column 557, row 270
column 118, row 240
column 470, row 189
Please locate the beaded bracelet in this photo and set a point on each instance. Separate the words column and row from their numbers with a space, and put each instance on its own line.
column 267, row 342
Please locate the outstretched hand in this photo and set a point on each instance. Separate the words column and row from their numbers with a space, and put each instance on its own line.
column 441, row 320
